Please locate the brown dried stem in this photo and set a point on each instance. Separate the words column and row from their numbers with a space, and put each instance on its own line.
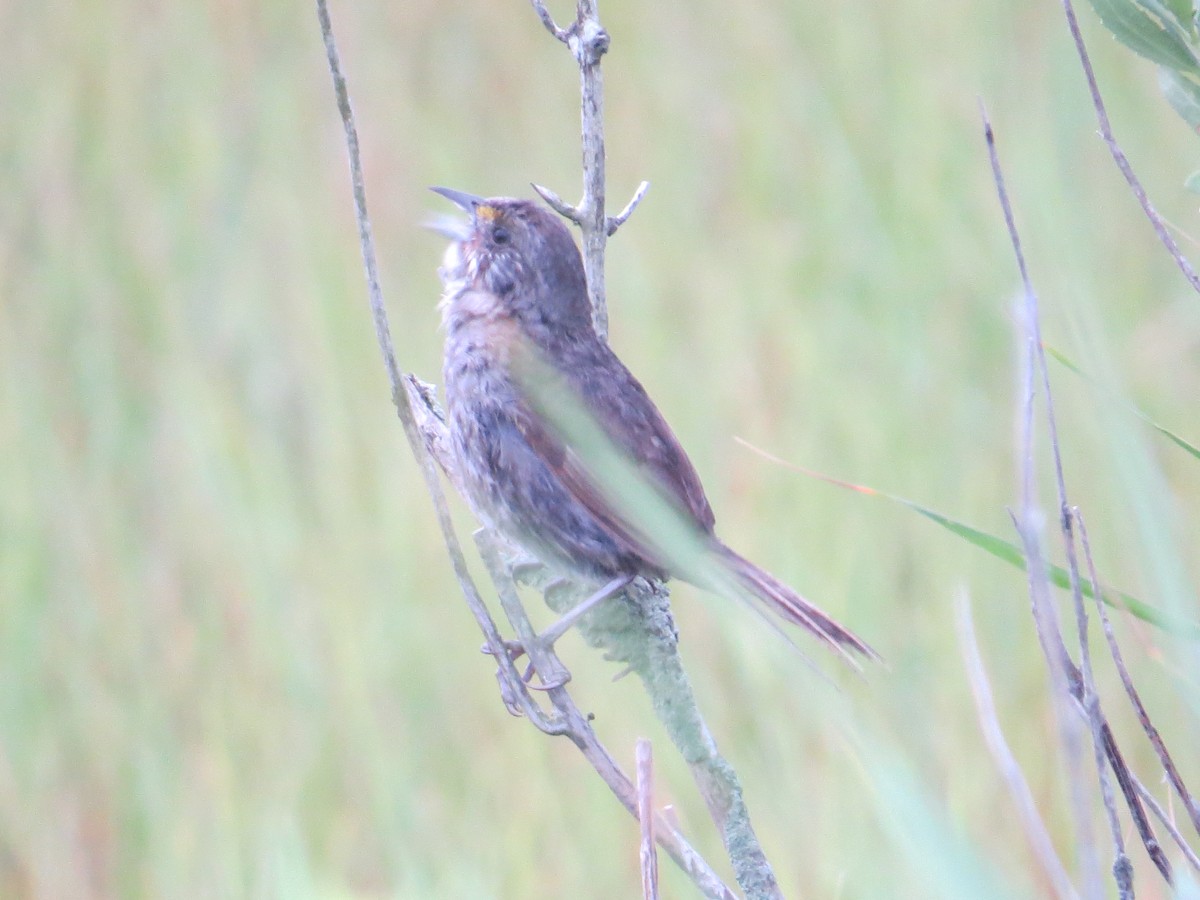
column 1028, row 524
column 1078, row 680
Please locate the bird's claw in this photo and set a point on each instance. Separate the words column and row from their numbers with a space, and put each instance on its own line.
column 515, row 650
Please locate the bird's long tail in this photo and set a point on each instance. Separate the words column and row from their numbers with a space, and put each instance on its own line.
column 789, row 605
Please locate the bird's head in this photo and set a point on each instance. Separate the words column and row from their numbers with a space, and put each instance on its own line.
column 522, row 254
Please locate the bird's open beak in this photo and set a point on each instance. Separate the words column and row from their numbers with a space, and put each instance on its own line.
column 466, row 202
column 453, row 227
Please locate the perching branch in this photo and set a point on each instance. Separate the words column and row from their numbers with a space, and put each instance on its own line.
column 426, row 437
column 641, row 631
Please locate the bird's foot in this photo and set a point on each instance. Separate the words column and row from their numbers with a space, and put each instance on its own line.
column 548, row 638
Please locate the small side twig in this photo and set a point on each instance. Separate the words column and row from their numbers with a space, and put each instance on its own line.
column 548, row 20
column 647, row 856
column 615, row 222
column 558, row 204
column 1118, row 155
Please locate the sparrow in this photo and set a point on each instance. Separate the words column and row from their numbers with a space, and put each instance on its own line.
column 515, row 288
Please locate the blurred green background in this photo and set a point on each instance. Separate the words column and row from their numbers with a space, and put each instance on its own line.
column 233, row 659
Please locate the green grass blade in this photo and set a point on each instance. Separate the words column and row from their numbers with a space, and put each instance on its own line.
column 1068, row 363
column 1008, row 551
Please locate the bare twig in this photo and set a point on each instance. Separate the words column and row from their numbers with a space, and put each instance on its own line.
column 557, row 203
column 544, row 14
column 383, row 335
column 615, row 222
column 645, row 791
column 1010, row 769
column 1118, row 155
column 426, row 436
column 588, row 42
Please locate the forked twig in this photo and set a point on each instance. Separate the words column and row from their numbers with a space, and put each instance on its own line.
column 548, row 20
column 588, row 42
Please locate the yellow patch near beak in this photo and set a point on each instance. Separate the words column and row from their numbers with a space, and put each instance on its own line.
column 486, row 213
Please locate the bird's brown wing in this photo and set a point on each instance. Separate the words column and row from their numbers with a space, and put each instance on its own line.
column 585, row 512
column 620, row 406
column 619, row 403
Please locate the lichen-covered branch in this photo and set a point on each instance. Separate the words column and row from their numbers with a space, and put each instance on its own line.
column 639, row 629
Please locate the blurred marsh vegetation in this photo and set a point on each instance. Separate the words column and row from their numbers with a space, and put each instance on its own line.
column 233, row 659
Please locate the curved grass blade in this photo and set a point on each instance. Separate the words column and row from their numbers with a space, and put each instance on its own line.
column 1005, row 550
column 1067, row 363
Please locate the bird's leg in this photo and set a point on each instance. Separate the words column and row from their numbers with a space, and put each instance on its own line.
column 563, row 625
column 548, row 637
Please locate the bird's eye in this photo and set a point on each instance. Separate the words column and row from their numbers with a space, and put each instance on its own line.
column 500, row 235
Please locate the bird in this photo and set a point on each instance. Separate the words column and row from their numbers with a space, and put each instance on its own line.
column 514, row 288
